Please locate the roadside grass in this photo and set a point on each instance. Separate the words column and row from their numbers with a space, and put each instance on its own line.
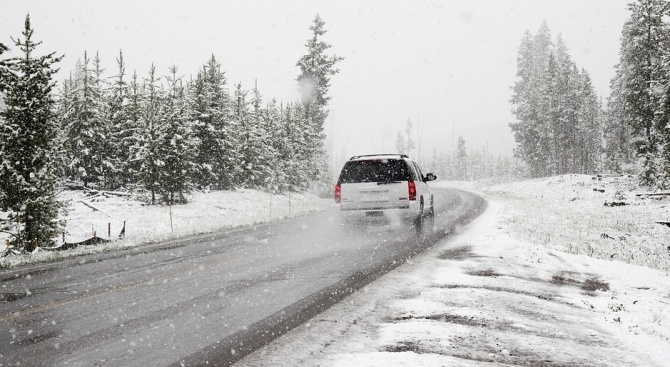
column 568, row 213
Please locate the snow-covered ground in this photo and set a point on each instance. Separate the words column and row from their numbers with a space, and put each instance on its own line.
column 507, row 290
column 104, row 216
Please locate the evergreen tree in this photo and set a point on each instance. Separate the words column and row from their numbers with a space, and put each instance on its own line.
column 527, row 91
column 121, row 130
column 617, row 133
column 409, row 126
column 549, row 123
column 255, row 147
column 131, row 132
column 461, row 160
column 28, row 130
column 589, row 131
column 292, row 167
column 663, row 116
column 400, row 144
column 558, row 114
column 150, row 140
column 240, row 141
column 86, row 130
column 316, row 68
column 109, row 164
column 210, row 109
column 644, row 45
column 176, row 146
column 404, row 142
column 64, row 114
column 272, row 125
column 4, row 71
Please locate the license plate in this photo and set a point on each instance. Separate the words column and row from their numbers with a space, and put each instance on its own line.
column 374, row 214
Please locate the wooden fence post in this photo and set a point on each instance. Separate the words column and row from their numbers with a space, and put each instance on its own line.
column 171, row 228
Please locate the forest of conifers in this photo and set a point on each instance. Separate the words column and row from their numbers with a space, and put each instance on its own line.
column 158, row 135
column 561, row 126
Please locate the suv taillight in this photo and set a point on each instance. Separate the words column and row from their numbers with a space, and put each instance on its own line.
column 338, row 193
column 412, row 189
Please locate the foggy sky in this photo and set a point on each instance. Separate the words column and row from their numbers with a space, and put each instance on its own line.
column 446, row 65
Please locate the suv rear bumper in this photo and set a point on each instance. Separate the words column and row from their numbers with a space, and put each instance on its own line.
column 383, row 205
column 406, row 213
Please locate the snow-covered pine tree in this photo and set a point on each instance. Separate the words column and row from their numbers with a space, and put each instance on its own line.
column 404, row 142
column 86, row 129
column 203, row 177
column 526, row 101
column 243, row 120
column 662, row 116
column 552, row 131
column 4, row 72
column 644, row 46
column 589, row 128
column 210, row 109
column 664, row 141
column 275, row 134
column 176, row 144
column 409, row 130
column 566, row 104
column 64, row 113
column 149, row 144
column 109, row 164
column 461, row 160
column 242, row 136
column 316, row 68
column 617, row 132
column 28, row 130
column 549, row 119
column 121, row 129
column 303, row 162
column 256, row 149
column 292, row 167
column 400, row 145
column 132, row 130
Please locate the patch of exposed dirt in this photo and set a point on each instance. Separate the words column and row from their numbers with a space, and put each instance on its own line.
column 587, row 282
column 595, row 284
column 11, row 297
column 486, row 354
column 457, row 253
column 404, row 347
column 542, row 296
column 504, row 325
column 454, row 319
column 39, row 338
column 484, row 273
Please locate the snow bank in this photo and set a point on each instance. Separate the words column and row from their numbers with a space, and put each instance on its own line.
column 574, row 214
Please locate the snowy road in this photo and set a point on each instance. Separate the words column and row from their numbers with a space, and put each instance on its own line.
column 206, row 299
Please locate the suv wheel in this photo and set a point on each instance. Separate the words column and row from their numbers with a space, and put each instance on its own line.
column 429, row 223
column 419, row 220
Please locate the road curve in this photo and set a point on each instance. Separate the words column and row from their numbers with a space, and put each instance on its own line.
column 209, row 299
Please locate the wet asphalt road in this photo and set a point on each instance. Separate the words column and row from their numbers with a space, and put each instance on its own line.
column 208, row 299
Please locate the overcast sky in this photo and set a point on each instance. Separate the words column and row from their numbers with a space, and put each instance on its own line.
column 447, row 65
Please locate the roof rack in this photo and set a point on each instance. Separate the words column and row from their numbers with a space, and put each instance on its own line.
column 375, row 155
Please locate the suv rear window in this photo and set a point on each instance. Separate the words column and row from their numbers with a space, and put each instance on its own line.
column 378, row 170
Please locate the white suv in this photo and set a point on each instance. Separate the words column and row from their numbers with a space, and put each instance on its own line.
column 385, row 185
